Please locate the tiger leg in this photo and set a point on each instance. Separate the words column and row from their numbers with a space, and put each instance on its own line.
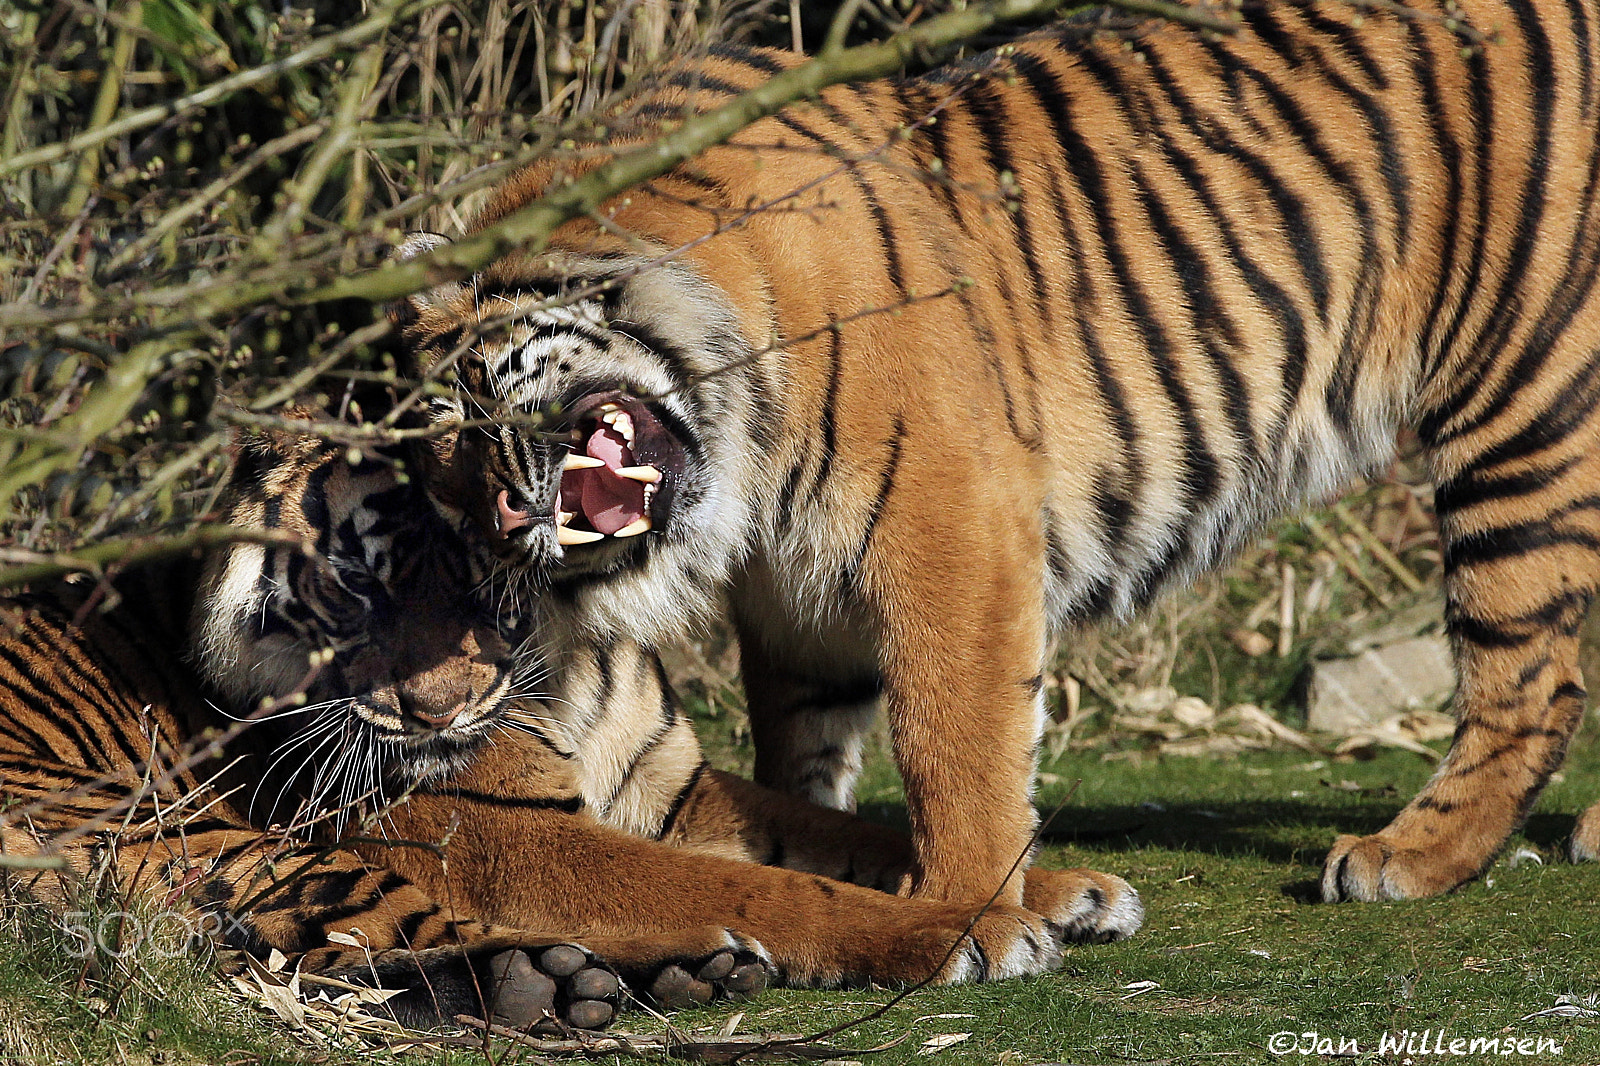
column 963, row 644
column 1521, row 532
column 615, row 887
column 812, row 702
column 1585, row 846
column 723, row 814
column 248, row 892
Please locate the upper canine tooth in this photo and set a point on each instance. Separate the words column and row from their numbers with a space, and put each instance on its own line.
column 568, row 535
column 563, row 517
column 634, row 528
column 578, row 461
column 647, row 474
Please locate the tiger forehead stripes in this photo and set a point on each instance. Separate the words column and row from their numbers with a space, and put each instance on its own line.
column 1150, row 288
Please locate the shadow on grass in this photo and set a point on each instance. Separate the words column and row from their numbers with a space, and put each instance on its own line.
column 1242, row 829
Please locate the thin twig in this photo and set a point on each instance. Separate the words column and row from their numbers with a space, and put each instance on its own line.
column 215, row 93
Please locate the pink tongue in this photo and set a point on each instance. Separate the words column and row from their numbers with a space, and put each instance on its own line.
column 608, row 502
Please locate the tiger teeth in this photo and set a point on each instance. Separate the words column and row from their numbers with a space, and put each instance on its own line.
column 620, row 421
column 563, row 517
column 647, row 474
column 578, row 461
column 634, row 528
column 566, row 535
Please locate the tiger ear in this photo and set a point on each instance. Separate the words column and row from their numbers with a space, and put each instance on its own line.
column 405, row 311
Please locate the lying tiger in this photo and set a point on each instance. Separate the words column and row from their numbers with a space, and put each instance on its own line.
column 431, row 777
column 1150, row 287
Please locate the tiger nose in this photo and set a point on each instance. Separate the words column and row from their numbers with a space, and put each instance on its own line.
column 437, row 721
column 508, row 518
column 435, row 717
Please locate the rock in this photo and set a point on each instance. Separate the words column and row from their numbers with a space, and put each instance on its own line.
column 1350, row 695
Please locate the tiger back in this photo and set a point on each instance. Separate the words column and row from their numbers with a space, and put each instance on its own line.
column 926, row 372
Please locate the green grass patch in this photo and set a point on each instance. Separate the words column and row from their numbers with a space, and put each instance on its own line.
column 1225, row 852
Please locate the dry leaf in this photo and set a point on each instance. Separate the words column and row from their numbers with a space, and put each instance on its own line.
column 935, row 1044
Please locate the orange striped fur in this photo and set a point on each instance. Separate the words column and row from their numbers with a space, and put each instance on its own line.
column 1139, row 289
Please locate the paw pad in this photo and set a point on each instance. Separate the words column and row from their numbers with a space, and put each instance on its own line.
column 730, row 974
column 560, row 983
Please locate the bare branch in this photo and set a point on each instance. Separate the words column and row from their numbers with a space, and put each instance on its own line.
column 371, row 26
column 529, row 227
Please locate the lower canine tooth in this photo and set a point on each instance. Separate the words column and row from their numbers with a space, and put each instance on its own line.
column 569, row 536
column 634, row 528
column 647, row 474
column 563, row 517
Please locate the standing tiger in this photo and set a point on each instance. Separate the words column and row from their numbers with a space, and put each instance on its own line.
column 435, row 796
column 1150, row 287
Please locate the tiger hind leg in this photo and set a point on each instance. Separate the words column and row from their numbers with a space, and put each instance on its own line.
column 1520, row 523
column 1585, row 846
column 724, row 815
column 332, row 914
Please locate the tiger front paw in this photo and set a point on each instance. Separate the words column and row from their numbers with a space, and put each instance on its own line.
column 522, row 986
column 1379, row 867
column 737, row 971
column 1585, row 845
column 1084, row 906
column 560, row 984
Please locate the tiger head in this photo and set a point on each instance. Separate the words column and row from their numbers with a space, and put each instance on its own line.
column 614, row 433
column 364, row 641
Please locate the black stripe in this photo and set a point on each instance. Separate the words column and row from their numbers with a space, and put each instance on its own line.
column 1474, row 487
column 85, row 675
column 1523, row 538
column 791, row 485
column 993, row 125
column 1201, row 477
column 567, row 804
column 678, row 801
column 934, row 135
column 1579, row 14
column 829, row 417
column 1509, row 303
column 38, row 696
column 885, row 486
column 887, row 241
column 750, row 57
column 406, row 928
column 1109, row 385
column 1210, row 317
column 698, row 81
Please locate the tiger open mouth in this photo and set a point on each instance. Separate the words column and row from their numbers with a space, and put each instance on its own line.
column 618, row 478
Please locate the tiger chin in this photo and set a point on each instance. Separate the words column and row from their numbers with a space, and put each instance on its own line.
column 1031, row 339
column 422, row 789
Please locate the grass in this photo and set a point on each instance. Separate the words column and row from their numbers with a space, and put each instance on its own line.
column 1225, row 853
